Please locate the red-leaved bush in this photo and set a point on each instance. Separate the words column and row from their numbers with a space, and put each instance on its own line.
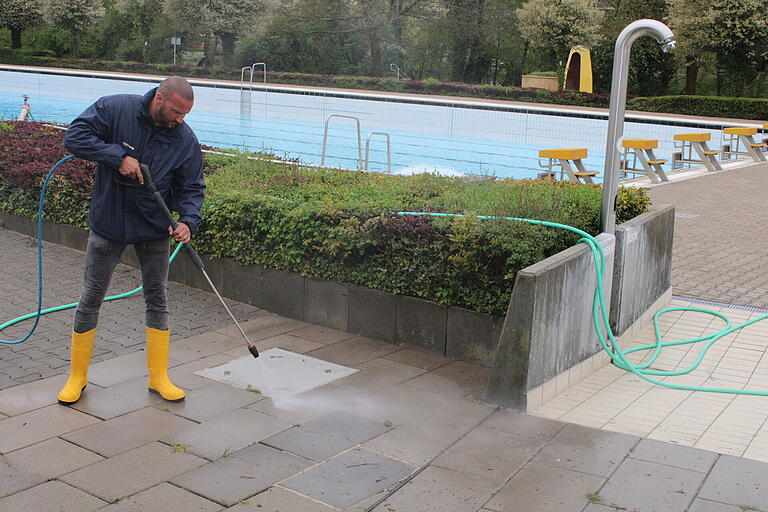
column 28, row 150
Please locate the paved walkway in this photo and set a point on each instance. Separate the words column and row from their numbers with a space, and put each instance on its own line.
column 405, row 416
column 121, row 323
column 721, row 236
column 344, row 446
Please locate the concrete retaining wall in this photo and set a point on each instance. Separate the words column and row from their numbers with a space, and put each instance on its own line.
column 642, row 271
column 548, row 327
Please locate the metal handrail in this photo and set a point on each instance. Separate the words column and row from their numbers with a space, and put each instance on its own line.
column 359, row 139
column 242, row 76
column 253, row 66
column 394, row 67
column 389, row 149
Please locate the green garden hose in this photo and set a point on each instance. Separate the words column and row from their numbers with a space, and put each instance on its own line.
column 40, row 312
column 618, row 356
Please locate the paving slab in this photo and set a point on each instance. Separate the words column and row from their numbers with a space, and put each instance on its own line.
column 185, row 377
column 122, row 398
column 264, row 326
column 712, row 506
column 227, row 434
column 242, row 474
column 51, row 496
column 203, row 345
column 132, row 471
column 404, row 403
column 129, row 431
column 278, row 499
column 418, row 358
column 674, row 455
column 354, row 351
column 349, row 478
column 52, row 458
column 490, row 454
column 419, row 441
column 41, row 424
column 164, row 498
column 440, row 490
column 588, row 450
column 320, row 334
column 211, row 401
column 457, row 379
column 736, row 481
column 539, row 488
column 31, row 396
column 292, row 412
column 379, row 374
column 284, row 341
column 521, row 424
column 652, row 487
column 121, row 369
column 325, row 436
column 14, row 478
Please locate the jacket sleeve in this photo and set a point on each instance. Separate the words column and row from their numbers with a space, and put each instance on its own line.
column 87, row 136
column 188, row 187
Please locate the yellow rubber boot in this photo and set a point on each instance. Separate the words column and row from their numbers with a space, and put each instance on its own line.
column 81, row 349
column 157, row 361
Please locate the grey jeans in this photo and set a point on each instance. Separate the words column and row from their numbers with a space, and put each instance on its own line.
column 101, row 258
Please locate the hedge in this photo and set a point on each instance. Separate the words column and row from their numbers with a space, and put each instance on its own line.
column 342, row 225
column 706, row 106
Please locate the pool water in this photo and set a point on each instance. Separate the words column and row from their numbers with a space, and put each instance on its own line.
column 424, row 137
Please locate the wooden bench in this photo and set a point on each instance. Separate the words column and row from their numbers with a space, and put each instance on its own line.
column 743, row 135
column 642, row 151
column 697, row 142
column 562, row 157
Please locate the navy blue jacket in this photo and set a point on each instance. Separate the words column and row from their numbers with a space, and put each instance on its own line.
column 125, row 214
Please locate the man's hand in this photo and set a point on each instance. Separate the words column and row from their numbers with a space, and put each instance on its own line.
column 130, row 169
column 181, row 234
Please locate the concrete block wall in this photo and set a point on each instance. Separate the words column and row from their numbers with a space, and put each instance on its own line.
column 548, row 328
column 642, row 272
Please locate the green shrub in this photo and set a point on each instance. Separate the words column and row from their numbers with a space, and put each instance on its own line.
column 707, row 106
column 346, row 82
column 391, row 84
column 542, row 73
column 344, row 226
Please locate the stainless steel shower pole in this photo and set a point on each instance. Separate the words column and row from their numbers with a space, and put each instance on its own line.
column 618, row 105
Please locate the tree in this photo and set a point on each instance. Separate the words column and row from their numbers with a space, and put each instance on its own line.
column 225, row 19
column 737, row 33
column 555, row 26
column 470, row 57
column 17, row 16
column 74, row 15
column 689, row 20
column 650, row 69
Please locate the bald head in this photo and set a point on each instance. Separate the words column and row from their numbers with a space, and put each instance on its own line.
column 177, row 85
column 172, row 101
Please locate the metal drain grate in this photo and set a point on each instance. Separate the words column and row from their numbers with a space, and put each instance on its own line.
column 277, row 373
column 721, row 304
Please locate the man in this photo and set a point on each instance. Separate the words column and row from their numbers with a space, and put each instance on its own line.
column 120, row 132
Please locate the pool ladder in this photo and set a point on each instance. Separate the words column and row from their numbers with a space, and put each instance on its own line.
column 360, row 166
column 252, row 67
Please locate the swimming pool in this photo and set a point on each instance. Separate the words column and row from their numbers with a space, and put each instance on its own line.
column 432, row 135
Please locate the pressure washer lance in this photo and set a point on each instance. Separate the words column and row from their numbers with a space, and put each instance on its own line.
column 150, row 186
